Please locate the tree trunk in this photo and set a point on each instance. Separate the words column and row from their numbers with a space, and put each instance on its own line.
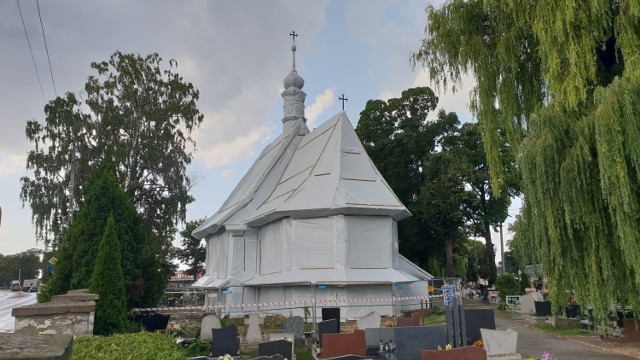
column 487, row 230
column 448, row 269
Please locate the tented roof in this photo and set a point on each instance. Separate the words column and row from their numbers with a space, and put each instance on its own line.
column 302, row 173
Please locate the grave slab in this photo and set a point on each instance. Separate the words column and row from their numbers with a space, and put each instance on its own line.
column 328, row 327
column 336, row 345
column 224, row 341
column 277, row 347
column 500, row 344
column 254, row 334
column 408, row 340
column 476, row 319
column 527, row 304
column 295, row 325
column 371, row 320
column 461, row 353
column 290, row 337
column 208, row 323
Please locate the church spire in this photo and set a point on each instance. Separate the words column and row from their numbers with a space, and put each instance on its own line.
column 293, row 95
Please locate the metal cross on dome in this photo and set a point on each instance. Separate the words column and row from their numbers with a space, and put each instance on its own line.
column 293, row 47
column 343, row 99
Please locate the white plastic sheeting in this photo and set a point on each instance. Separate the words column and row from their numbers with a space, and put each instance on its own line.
column 325, row 172
column 369, row 242
column 314, row 242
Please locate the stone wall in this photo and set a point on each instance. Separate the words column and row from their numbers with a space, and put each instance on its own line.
column 69, row 314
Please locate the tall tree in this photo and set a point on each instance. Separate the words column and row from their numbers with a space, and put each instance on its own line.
column 397, row 137
column 24, row 264
column 560, row 81
column 138, row 112
column 486, row 209
column 193, row 252
column 108, row 282
column 104, row 198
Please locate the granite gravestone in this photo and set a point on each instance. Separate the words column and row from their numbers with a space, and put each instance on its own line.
column 295, row 325
column 290, row 337
column 328, row 327
column 371, row 320
column 336, row 345
column 408, row 340
column 224, row 341
column 543, row 308
column 500, row 344
column 277, row 347
column 331, row 313
column 254, row 334
column 208, row 323
column 476, row 319
column 527, row 304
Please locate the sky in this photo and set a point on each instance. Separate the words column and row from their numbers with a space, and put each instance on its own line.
column 235, row 52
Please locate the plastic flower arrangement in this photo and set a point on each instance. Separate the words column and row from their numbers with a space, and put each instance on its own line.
column 225, row 357
column 478, row 343
column 447, row 347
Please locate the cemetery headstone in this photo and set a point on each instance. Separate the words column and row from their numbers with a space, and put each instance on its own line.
column 461, row 353
column 208, row 322
column 277, row 347
column 371, row 320
column 527, row 304
column 476, row 319
column 156, row 322
column 343, row 344
column 543, row 308
column 327, row 327
column 295, row 325
column 410, row 340
column 224, row 341
column 254, row 334
column 500, row 344
column 290, row 337
column 332, row 313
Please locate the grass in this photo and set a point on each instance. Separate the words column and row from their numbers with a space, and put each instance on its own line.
column 433, row 319
column 137, row 346
column 549, row 329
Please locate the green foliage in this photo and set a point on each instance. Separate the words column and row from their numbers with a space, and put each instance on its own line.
column 502, row 305
column 561, row 82
column 193, row 251
column 507, row 285
column 144, row 279
column 524, row 283
column 142, row 345
column 108, row 282
column 198, row 348
column 274, row 321
column 141, row 115
column 25, row 264
column 439, row 171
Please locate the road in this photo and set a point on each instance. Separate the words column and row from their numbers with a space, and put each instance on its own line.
column 9, row 300
column 533, row 343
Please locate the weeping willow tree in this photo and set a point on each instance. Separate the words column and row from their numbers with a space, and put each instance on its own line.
column 561, row 81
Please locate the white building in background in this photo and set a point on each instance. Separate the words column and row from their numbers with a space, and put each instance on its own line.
column 312, row 210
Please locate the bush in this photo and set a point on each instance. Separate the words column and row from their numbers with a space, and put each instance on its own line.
column 143, row 345
column 198, row 348
column 274, row 321
column 507, row 285
column 108, row 282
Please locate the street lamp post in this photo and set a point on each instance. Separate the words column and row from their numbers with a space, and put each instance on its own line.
column 19, row 274
column 502, row 249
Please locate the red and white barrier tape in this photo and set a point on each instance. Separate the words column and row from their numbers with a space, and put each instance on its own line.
column 288, row 303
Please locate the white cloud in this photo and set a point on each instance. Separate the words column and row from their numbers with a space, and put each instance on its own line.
column 11, row 164
column 240, row 148
column 320, row 104
column 226, row 174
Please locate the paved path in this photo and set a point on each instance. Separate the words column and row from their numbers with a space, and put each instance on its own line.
column 9, row 300
column 532, row 343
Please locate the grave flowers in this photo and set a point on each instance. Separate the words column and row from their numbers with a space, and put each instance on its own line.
column 478, row 343
column 225, row 357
